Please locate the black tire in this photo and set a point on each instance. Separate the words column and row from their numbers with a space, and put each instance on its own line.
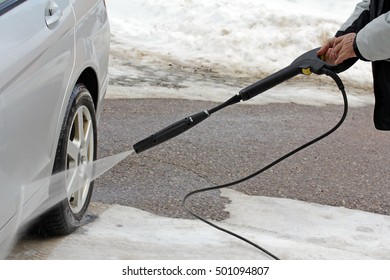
column 66, row 217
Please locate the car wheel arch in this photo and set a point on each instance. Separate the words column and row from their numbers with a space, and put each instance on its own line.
column 89, row 78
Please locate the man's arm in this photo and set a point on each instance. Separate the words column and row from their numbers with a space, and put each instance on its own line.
column 345, row 37
column 373, row 41
column 358, row 19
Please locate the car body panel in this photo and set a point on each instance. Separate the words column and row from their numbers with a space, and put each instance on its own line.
column 36, row 55
column 39, row 68
column 92, row 31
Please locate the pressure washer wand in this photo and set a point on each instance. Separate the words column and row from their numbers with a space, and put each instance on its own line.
column 180, row 127
column 305, row 64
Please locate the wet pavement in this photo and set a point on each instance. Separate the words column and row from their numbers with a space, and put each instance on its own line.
column 350, row 168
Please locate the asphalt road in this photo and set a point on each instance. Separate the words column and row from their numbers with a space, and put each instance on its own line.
column 350, row 168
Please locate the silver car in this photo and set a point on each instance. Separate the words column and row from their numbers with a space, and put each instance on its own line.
column 53, row 79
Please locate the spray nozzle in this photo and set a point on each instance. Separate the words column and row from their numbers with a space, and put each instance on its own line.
column 170, row 131
column 179, row 127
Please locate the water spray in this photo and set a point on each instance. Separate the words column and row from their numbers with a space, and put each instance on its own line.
column 60, row 187
column 305, row 64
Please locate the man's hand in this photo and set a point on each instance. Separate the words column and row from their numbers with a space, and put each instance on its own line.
column 327, row 52
column 336, row 50
column 325, row 47
column 343, row 47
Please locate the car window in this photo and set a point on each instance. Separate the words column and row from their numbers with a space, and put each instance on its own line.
column 6, row 5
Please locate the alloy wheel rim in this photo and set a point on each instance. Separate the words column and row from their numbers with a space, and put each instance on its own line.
column 79, row 158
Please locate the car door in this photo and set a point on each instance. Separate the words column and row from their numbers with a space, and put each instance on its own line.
column 37, row 59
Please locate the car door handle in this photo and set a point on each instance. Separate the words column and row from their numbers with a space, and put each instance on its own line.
column 53, row 14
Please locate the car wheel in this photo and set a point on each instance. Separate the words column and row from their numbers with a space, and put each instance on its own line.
column 76, row 149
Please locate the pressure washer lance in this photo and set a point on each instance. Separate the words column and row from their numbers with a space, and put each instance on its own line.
column 306, row 64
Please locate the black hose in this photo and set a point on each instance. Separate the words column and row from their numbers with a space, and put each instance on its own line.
column 340, row 85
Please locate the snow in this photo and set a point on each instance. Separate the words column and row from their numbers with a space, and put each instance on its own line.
column 245, row 40
column 241, row 42
column 287, row 228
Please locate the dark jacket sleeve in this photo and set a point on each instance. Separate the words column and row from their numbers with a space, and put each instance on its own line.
column 356, row 22
column 359, row 18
